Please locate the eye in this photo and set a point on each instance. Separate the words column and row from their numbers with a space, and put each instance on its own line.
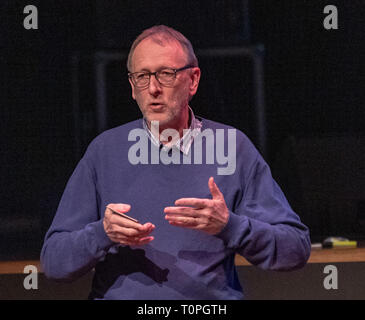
column 141, row 76
column 167, row 73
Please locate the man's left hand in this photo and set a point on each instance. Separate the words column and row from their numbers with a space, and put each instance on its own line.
column 208, row 215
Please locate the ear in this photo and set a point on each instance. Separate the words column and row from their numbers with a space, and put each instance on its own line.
column 132, row 86
column 195, row 78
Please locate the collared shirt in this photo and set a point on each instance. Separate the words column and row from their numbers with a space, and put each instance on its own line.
column 182, row 144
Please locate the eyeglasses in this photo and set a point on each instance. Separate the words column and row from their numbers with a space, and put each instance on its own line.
column 165, row 77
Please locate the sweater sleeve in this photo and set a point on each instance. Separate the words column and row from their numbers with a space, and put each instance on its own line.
column 76, row 239
column 263, row 228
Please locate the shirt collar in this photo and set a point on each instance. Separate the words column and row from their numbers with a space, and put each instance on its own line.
column 184, row 143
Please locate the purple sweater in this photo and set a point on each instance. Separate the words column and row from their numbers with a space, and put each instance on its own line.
column 179, row 263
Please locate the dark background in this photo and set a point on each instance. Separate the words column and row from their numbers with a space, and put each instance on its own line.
column 314, row 95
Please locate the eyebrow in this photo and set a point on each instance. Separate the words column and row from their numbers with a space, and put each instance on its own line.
column 147, row 70
column 144, row 70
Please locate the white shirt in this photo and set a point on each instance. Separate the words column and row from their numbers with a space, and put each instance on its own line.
column 184, row 143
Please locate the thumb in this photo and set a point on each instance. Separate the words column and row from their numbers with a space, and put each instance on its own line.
column 119, row 207
column 214, row 190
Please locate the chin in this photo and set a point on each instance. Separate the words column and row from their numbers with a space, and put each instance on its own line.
column 162, row 119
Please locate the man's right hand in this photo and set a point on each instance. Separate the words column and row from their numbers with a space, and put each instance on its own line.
column 125, row 231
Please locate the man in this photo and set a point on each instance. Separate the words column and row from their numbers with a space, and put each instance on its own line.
column 185, row 230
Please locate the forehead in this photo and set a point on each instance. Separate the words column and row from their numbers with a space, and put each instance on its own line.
column 152, row 55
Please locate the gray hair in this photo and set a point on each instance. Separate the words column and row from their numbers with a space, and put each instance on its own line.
column 162, row 34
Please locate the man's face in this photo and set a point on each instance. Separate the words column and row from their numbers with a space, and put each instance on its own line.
column 168, row 105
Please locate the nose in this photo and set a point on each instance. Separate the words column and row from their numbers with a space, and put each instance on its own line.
column 154, row 87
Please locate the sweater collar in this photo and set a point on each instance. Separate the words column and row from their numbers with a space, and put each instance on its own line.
column 184, row 143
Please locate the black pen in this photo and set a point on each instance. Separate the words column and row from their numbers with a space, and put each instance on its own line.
column 122, row 214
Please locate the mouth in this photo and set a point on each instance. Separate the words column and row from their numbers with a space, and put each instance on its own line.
column 156, row 106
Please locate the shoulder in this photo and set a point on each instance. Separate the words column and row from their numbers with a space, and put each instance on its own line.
column 241, row 138
column 242, row 147
column 114, row 138
column 118, row 133
column 206, row 123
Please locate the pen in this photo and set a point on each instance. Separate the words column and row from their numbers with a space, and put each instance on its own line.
column 122, row 214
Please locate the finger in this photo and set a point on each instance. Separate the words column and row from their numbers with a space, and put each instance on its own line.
column 137, row 242
column 192, row 202
column 119, row 207
column 145, row 240
column 185, row 211
column 214, row 190
column 183, row 221
column 124, row 238
column 129, row 232
column 120, row 212
column 123, row 222
column 148, row 226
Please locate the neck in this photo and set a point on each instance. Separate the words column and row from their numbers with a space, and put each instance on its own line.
column 179, row 125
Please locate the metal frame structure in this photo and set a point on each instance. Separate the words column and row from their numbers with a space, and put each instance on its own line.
column 102, row 58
